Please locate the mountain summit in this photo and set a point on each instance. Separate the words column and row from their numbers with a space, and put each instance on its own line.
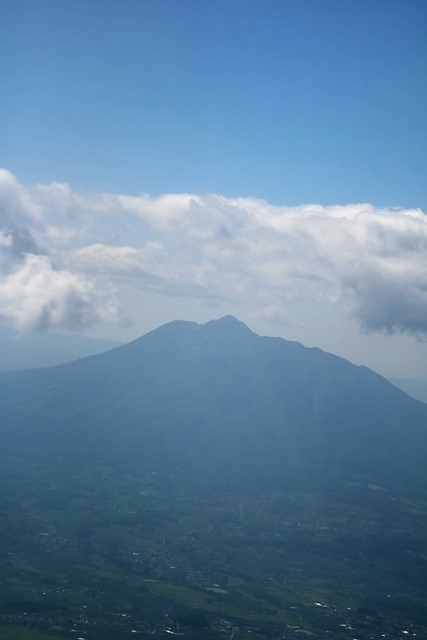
column 215, row 404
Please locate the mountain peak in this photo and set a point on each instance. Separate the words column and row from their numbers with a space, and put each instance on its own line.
column 228, row 322
column 228, row 318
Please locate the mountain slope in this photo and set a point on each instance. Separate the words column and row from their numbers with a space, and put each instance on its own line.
column 413, row 387
column 216, row 403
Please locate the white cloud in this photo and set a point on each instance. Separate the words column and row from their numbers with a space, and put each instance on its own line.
column 34, row 295
column 6, row 240
column 234, row 249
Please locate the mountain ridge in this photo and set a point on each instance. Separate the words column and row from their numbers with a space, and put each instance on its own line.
column 215, row 401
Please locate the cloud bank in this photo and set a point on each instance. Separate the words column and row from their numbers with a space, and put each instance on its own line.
column 70, row 259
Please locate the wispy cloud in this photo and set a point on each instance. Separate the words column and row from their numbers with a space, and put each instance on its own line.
column 62, row 255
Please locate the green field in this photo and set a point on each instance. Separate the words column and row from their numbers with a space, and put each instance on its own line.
column 100, row 554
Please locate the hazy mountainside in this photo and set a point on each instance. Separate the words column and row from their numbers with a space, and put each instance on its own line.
column 412, row 386
column 208, row 482
column 40, row 349
column 216, row 403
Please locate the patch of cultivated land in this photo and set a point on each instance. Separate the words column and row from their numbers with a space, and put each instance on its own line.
column 95, row 553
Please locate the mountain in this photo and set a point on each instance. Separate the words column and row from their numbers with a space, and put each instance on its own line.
column 208, row 482
column 44, row 349
column 412, row 386
column 216, row 403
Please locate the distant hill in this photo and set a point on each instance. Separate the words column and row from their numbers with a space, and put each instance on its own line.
column 218, row 404
column 413, row 386
column 44, row 349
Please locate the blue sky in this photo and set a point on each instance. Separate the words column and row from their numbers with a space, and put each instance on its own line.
column 276, row 103
column 291, row 101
